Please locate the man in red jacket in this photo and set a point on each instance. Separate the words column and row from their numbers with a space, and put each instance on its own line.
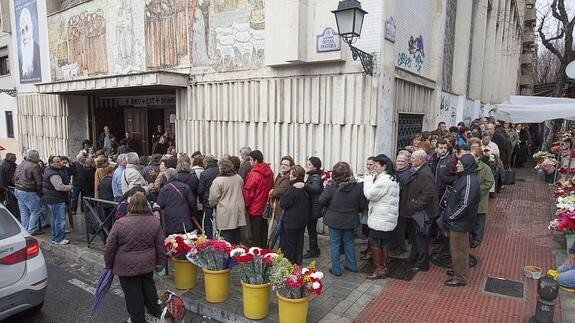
column 259, row 182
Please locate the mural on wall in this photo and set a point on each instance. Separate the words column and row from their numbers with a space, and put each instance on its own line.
column 128, row 50
column 27, row 37
column 87, row 42
column 414, row 26
column 239, row 36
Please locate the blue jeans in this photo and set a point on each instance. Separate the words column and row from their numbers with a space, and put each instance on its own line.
column 337, row 237
column 30, row 209
column 58, row 225
column 566, row 275
column 77, row 189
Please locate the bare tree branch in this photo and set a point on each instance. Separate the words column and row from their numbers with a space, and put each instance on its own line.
column 547, row 42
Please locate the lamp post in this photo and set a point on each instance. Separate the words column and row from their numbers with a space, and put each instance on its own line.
column 349, row 19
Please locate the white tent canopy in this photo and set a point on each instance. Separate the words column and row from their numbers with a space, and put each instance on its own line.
column 534, row 109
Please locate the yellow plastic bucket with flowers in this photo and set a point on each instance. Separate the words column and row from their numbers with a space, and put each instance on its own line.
column 216, row 285
column 185, row 274
column 256, row 299
column 292, row 310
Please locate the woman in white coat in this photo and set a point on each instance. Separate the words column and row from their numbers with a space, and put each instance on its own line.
column 382, row 191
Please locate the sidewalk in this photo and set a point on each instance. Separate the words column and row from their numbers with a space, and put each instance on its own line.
column 516, row 235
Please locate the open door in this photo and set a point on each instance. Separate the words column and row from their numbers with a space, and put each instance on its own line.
column 137, row 126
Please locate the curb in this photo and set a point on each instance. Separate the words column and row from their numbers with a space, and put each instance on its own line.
column 73, row 253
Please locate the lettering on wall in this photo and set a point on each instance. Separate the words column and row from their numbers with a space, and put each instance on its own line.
column 415, row 57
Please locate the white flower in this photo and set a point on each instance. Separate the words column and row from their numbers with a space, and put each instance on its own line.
column 255, row 251
column 237, row 252
column 304, row 270
column 315, row 285
column 317, row 275
column 175, row 244
column 271, row 255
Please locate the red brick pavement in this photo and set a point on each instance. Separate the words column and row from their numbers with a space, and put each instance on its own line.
column 516, row 235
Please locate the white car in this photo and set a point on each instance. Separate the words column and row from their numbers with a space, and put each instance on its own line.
column 23, row 273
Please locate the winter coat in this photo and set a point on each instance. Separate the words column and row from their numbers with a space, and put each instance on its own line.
column 259, row 182
column 191, row 179
column 281, row 183
column 245, row 168
column 105, row 188
column 7, row 170
column 342, row 202
column 178, row 208
column 206, row 178
column 314, row 187
column 227, row 200
column 28, row 177
column 486, row 180
column 296, row 205
column 135, row 245
column 132, row 178
column 505, row 148
column 420, row 194
column 383, row 197
column 440, row 169
column 463, row 199
column 151, row 171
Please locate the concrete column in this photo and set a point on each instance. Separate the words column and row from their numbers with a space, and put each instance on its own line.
column 461, row 46
column 438, row 37
column 489, row 55
column 386, row 130
column 478, row 48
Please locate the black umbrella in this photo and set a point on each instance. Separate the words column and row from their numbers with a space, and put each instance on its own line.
column 277, row 231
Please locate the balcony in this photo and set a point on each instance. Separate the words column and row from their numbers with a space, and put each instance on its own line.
column 526, row 58
column 528, row 37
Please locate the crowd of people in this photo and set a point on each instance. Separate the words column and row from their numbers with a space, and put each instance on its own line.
column 436, row 188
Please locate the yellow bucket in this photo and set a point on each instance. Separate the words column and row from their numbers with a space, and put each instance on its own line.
column 185, row 274
column 292, row 310
column 256, row 300
column 217, row 285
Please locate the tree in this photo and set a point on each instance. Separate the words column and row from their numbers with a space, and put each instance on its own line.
column 547, row 65
column 566, row 54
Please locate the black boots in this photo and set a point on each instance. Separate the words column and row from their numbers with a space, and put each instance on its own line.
column 313, row 251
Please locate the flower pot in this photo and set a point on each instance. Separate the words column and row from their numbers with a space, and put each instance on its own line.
column 292, row 310
column 569, row 239
column 185, row 274
column 256, row 299
column 549, row 177
column 217, row 285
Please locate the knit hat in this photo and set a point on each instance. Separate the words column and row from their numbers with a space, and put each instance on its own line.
column 226, row 166
column 316, row 162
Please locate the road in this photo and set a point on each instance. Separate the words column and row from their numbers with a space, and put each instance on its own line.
column 69, row 298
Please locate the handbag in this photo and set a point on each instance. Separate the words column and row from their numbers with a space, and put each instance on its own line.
column 508, row 176
column 268, row 211
column 185, row 200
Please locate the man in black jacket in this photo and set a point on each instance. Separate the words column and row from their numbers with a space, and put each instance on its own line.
column 460, row 218
column 7, row 170
column 206, row 178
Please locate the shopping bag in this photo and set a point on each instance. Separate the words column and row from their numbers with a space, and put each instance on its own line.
column 508, row 177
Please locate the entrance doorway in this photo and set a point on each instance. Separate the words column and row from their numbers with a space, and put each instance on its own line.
column 137, row 115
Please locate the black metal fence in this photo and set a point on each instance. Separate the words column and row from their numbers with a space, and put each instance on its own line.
column 99, row 217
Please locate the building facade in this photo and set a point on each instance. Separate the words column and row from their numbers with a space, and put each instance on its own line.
column 222, row 74
column 8, row 107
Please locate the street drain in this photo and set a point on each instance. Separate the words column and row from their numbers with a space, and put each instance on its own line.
column 504, row 287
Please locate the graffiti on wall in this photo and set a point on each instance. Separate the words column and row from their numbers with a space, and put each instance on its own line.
column 448, row 109
column 415, row 56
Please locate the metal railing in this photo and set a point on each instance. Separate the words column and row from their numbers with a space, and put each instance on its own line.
column 101, row 214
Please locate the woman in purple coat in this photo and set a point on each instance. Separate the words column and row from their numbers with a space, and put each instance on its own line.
column 134, row 249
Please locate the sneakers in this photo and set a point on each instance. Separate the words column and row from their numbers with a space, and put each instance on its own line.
column 65, row 241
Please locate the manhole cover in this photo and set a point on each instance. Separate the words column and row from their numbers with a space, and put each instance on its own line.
column 504, row 287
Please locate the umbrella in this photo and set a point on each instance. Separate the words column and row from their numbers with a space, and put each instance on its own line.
column 104, row 283
column 277, row 231
column 271, row 221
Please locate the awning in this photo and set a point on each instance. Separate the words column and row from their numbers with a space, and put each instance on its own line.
column 161, row 79
column 534, row 109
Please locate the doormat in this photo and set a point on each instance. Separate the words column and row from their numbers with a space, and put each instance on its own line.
column 505, row 287
column 398, row 269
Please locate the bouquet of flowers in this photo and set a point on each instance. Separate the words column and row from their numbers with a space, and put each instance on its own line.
column 564, row 188
column 547, row 165
column 294, row 281
column 255, row 264
column 178, row 245
column 211, row 254
column 565, row 221
column 326, row 177
column 540, row 156
column 566, row 170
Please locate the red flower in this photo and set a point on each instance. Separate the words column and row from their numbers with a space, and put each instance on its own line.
column 243, row 258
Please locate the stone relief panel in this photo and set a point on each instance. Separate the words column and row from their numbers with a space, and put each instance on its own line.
column 128, row 47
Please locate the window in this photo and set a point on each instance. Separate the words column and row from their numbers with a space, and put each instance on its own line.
column 4, row 62
column 9, row 125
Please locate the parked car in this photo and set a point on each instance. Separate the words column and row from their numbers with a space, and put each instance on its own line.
column 23, row 273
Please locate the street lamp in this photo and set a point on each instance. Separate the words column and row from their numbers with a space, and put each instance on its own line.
column 349, row 19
